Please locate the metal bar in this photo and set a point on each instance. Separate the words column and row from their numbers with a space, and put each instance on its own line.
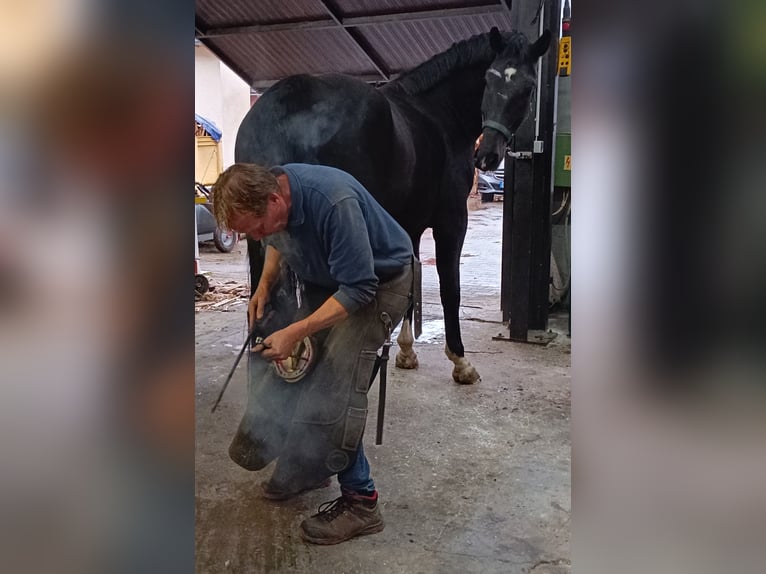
column 228, row 61
column 543, row 188
column 509, row 186
column 354, row 22
column 506, row 5
column 356, row 38
column 289, row 25
column 231, row 372
column 370, row 52
column 422, row 15
column 522, row 255
column 256, row 325
column 521, row 236
column 263, row 84
column 382, row 394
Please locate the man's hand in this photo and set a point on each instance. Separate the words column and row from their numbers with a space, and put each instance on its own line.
column 280, row 344
column 257, row 304
column 262, row 294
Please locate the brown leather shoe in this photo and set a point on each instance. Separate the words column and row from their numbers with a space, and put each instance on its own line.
column 342, row 519
column 269, row 492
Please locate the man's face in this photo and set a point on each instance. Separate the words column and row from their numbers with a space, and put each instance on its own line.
column 274, row 219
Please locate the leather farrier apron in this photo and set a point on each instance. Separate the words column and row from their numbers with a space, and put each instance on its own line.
column 313, row 427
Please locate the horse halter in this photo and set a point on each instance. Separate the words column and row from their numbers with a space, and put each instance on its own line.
column 497, row 126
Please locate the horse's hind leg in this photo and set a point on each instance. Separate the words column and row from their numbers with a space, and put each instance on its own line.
column 406, row 357
column 448, row 247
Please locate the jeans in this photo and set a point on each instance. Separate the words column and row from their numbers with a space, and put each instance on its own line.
column 356, row 478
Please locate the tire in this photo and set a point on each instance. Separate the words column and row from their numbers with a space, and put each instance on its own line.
column 201, row 284
column 224, row 240
column 487, row 197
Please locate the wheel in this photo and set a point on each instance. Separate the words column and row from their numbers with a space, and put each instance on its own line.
column 487, row 197
column 201, row 284
column 224, row 240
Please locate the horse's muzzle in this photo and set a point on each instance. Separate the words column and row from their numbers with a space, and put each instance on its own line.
column 488, row 162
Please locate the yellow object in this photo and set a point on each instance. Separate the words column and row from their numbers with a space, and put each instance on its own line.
column 568, row 162
column 565, row 56
column 208, row 163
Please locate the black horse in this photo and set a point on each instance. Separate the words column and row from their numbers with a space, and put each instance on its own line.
column 410, row 142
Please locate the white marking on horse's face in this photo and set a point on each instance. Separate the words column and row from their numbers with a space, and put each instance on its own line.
column 509, row 72
column 495, row 72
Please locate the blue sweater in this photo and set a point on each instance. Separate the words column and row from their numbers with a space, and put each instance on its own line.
column 338, row 236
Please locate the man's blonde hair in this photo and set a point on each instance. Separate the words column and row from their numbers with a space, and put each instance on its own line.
column 242, row 188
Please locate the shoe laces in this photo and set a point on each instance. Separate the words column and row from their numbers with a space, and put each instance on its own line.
column 329, row 511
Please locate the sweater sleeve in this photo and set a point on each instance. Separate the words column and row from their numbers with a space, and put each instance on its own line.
column 350, row 257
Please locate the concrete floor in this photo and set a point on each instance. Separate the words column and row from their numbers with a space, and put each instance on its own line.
column 471, row 478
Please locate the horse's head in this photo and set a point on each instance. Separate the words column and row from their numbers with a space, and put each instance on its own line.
column 510, row 81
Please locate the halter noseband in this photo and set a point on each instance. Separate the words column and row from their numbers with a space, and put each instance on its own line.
column 495, row 125
column 498, row 127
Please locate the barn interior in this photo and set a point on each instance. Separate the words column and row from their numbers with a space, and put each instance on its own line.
column 473, row 478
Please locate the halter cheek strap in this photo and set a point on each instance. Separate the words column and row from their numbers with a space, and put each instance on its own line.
column 498, row 127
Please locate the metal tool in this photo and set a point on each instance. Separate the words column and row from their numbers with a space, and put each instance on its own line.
column 291, row 370
column 382, row 364
column 256, row 341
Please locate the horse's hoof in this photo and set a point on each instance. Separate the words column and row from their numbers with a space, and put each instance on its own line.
column 407, row 360
column 465, row 374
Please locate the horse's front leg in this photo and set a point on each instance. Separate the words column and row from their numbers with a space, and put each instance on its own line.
column 448, row 247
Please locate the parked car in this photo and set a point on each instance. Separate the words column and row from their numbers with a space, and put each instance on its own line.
column 207, row 226
column 490, row 183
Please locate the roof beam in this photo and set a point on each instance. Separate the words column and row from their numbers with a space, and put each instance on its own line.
column 422, row 15
column 263, row 84
column 356, row 38
column 290, row 25
column 334, row 21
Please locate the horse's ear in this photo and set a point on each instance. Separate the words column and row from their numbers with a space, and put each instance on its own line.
column 495, row 40
column 540, row 46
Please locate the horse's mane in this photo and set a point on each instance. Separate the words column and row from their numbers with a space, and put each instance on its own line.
column 463, row 54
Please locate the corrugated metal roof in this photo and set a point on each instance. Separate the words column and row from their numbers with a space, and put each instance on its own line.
column 407, row 44
column 224, row 13
column 267, row 40
column 274, row 55
column 365, row 7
